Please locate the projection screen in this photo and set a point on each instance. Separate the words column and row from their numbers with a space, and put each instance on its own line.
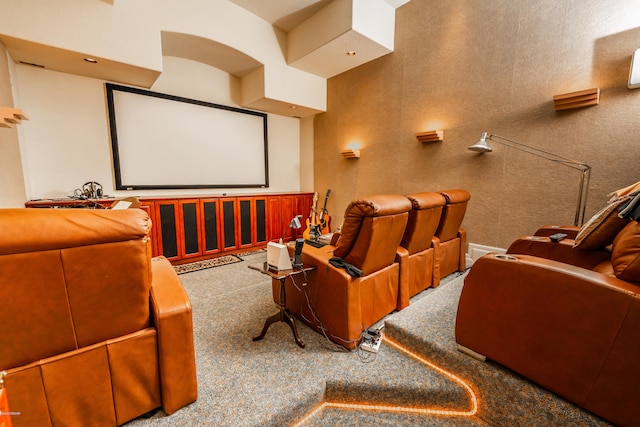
column 162, row 141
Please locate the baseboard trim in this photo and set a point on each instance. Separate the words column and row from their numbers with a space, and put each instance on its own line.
column 476, row 251
column 471, row 353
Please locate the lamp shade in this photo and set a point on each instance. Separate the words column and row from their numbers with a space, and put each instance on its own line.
column 481, row 146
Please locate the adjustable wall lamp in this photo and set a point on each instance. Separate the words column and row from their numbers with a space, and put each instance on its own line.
column 483, row 146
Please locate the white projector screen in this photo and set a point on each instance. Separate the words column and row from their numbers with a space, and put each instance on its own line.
column 164, row 141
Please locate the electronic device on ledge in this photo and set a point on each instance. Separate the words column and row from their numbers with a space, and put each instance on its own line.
column 557, row 237
column 315, row 243
column 297, row 254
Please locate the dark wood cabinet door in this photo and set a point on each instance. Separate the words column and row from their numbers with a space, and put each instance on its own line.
column 190, row 224
column 246, row 218
column 229, row 213
column 261, row 234
column 211, row 226
column 167, row 235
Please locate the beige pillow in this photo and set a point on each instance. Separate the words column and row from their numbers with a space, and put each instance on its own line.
column 602, row 228
column 624, row 192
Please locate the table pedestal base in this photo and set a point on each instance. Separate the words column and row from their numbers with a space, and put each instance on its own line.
column 283, row 316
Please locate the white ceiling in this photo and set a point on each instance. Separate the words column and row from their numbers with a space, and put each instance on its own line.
column 288, row 14
column 283, row 14
column 324, row 60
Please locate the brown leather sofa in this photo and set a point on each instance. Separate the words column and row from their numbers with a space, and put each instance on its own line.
column 332, row 301
column 417, row 253
column 567, row 319
column 451, row 239
column 93, row 331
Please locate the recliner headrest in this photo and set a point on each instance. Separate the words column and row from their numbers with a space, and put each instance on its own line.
column 426, row 200
column 372, row 206
column 456, row 196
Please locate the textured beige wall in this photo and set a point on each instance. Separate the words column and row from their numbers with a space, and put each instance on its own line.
column 12, row 192
column 467, row 66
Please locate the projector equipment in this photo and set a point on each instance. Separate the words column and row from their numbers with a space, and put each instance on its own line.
column 277, row 253
column 278, row 256
column 297, row 255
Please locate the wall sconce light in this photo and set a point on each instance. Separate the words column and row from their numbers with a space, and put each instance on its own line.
column 350, row 153
column 582, row 98
column 483, row 146
column 9, row 117
column 430, row 136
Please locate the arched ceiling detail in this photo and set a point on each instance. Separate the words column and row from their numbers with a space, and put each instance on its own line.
column 208, row 52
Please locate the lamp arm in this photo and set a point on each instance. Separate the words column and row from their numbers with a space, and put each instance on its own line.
column 583, row 189
column 540, row 153
column 582, row 167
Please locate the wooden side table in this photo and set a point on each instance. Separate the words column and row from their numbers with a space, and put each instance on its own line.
column 283, row 315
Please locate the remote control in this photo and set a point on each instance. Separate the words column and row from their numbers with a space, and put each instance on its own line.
column 557, row 237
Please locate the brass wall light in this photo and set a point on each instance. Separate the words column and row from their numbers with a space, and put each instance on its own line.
column 9, row 117
column 350, row 153
column 582, row 98
column 430, row 136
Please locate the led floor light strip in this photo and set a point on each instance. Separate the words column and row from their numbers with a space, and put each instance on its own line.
column 406, row 409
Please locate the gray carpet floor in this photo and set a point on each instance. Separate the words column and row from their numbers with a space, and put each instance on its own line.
column 273, row 382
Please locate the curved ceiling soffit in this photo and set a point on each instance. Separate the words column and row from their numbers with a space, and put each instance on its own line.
column 208, row 52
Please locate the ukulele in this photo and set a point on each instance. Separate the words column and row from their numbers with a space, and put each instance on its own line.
column 312, row 220
column 325, row 219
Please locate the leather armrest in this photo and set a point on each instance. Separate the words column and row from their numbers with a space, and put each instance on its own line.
column 562, row 251
column 171, row 310
column 335, row 237
column 547, row 230
column 402, row 258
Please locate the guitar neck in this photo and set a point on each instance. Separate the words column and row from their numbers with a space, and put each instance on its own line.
column 324, row 208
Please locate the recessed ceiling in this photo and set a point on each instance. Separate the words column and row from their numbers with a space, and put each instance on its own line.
column 283, row 14
column 288, row 14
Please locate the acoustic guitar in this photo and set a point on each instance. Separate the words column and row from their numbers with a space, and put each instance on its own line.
column 325, row 219
column 312, row 220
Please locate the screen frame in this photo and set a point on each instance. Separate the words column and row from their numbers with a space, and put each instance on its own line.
column 116, row 152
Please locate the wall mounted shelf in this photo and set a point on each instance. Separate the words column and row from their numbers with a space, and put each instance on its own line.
column 582, row 98
column 9, row 117
column 430, row 136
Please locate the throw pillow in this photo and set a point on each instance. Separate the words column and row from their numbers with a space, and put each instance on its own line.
column 602, row 228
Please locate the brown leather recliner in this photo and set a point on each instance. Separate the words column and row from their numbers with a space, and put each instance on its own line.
column 570, row 326
column 93, row 331
column 451, row 242
column 416, row 257
column 336, row 303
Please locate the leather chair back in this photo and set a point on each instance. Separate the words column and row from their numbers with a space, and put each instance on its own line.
column 372, row 230
column 423, row 221
column 452, row 214
column 82, row 278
